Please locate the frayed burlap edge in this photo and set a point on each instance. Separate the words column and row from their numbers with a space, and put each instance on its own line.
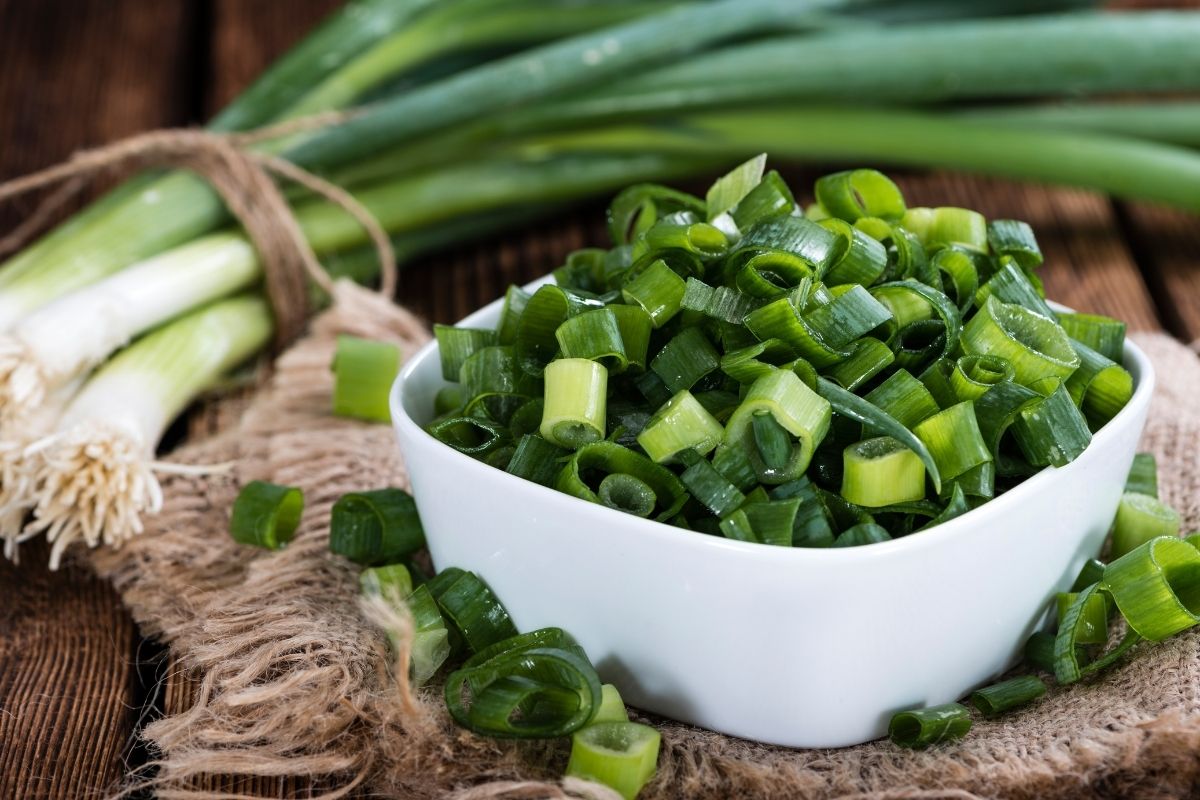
column 295, row 678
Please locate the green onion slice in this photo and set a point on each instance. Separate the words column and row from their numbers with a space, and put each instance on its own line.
column 456, row 345
column 798, row 410
column 363, row 374
column 658, row 290
column 608, row 458
column 574, row 410
column 858, row 193
column 266, row 514
column 1013, row 693
column 1011, row 237
column 681, row 424
column 376, row 527
column 1141, row 518
column 1143, row 475
column 474, row 612
column 1037, row 347
column 926, row 726
column 1103, row 334
column 882, row 472
column 620, row 755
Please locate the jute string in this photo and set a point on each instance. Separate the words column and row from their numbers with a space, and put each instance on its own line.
column 246, row 181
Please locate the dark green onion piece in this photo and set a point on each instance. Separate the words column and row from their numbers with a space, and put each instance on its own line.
column 958, row 269
column 710, row 488
column 735, row 466
column 721, row 303
column 769, row 522
column 1143, row 475
column 448, row 400
column 881, row 472
column 698, row 238
column 525, row 693
column 862, row 533
column 1039, row 651
column 864, row 260
column 1157, row 587
column 536, row 344
column 363, row 374
column 858, row 193
column 684, row 360
column 805, row 239
column 1092, row 622
column 626, row 493
column 1103, row 334
column 926, row 726
column 491, row 380
column 852, row 314
column 593, row 335
column 620, row 755
column 1091, row 572
column 956, row 506
column 911, row 301
column 772, row 443
column 936, row 380
column 771, row 198
column 536, row 460
column 904, row 398
column 607, row 458
column 681, row 424
column 860, row 410
column 868, row 358
column 266, row 514
column 1012, row 285
column 474, row 611
column 376, row 527
column 515, row 300
column 658, row 291
column 575, row 401
column 1011, row 237
column 1052, row 431
column 635, row 209
column 1141, row 518
column 1070, row 658
column 780, row 320
column 1100, row 387
column 811, row 527
column 456, row 345
column 470, row 435
column 1013, row 693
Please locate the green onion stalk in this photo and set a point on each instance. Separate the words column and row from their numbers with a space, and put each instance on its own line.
column 363, row 48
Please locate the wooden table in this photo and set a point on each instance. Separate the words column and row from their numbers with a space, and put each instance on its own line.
column 76, row 679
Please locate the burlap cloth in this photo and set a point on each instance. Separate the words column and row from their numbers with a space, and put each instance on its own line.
column 295, row 679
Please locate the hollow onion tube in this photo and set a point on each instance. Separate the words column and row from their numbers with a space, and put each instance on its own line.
column 266, row 514
column 575, row 398
column 954, row 440
column 1141, row 518
column 681, row 424
column 620, row 754
column 926, row 726
column 1005, row 696
column 881, row 472
column 1035, row 346
column 799, row 410
column 363, row 373
column 94, row 478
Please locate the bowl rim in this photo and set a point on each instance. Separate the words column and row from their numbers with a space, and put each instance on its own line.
column 1134, row 359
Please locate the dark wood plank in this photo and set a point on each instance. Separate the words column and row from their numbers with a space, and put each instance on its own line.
column 74, row 73
column 1166, row 244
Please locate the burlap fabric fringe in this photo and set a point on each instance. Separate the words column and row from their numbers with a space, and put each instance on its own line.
column 245, row 180
column 295, row 677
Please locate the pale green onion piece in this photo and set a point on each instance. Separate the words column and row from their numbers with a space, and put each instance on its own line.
column 575, row 400
column 954, row 440
column 1143, row 475
column 1007, row 695
column 1103, row 334
column 1141, row 518
column 798, row 409
column 1157, row 587
column 904, row 398
column 681, row 424
column 858, row 193
column 608, row 458
column 881, row 472
column 658, row 290
column 363, row 374
column 392, row 582
column 593, row 335
column 612, row 707
column 456, row 345
column 266, row 514
column 975, row 375
column 620, row 755
column 1100, row 387
column 770, row 198
column 1035, row 346
column 948, row 226
column 376, row 527
column 430, row 646
column 1093, row 619
column 731, row 188
column 926, row 726
column 868, row 358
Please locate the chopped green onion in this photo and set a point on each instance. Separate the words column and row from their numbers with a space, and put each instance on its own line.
column 515, row 300
column 607, row 458
column 576, row 394
column 681, row 424
column 863, row 261
column 430, row 644
column 926, row 726
column 392, row 582
column 376, row 527
column 620, row 755
column 860, row 193
column 712, row 489
column 852, row 314
column 861, row 534
column 1011, row 237
column 456, row 345
column 684, row 360
column 266, row 514
column 764, row 522
column 470, row 435
column 1012, row 285
column 626, row 493
column 1052, row 431
column 612, row 707
column 596, row 336
column 954, row 440
column 1035, row 346
column 868, row 358
column 1156, row 587
column 1092, row 623
column 903, row 398
column 363, row 374
column 731, row 188
column 474, row 612
column 1005, row 696
column 658, row 290
column 1100, row 387
column 799, row 410
column 721, row 303
column 1039, row 651
column 1103, row 334
column 1091, row 572
column 1070, row 662
column 1141, row 518
column 948, row 226
column 975, row 375
column 1143, row 475
column 536, row 460
column 881, row 472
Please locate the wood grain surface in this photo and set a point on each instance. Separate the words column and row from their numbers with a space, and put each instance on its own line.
column 75, row 679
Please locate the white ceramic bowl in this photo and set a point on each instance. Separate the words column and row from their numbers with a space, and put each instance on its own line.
column 797, row 647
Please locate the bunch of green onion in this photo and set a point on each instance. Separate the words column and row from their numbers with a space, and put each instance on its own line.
column 739, row 366
column 475, row 114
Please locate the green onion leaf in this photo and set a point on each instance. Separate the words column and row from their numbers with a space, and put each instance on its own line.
column 363, row 374
column 1141, row 518
column 376, row 527
column 1143, row 475
column 456, row 345
column 536, row 460
column 926, row 726
column 1103, row 334
column 1005, row 696
column 1037, row 347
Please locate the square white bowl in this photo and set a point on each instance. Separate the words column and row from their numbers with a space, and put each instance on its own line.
column 790, row 646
